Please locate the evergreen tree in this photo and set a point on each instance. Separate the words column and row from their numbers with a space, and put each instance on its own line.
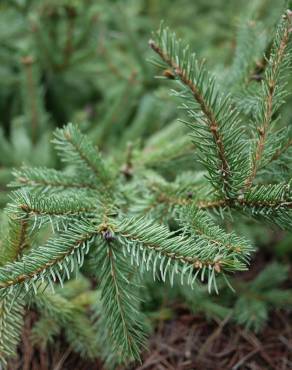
column 159, row 211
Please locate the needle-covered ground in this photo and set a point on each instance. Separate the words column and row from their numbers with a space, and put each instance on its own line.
column 185, row 341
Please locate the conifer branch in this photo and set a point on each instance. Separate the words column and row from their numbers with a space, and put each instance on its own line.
column 54, row 209
column 162, row 199
column 273, row 203
column 54, row 261
column 16, row 241
column 272, row 91
column 221, row 148
column 206, row 109
column 196, row 221
column 11, row 321
column 48, row 179
column 187, row 199
column 77, row 149
column 173, row 201
column 153, row 246
column 54, row 205
column 120, row 318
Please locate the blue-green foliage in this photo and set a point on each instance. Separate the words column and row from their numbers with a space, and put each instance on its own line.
column 163, row 210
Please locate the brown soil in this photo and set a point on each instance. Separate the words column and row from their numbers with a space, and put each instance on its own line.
column 187, row 342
